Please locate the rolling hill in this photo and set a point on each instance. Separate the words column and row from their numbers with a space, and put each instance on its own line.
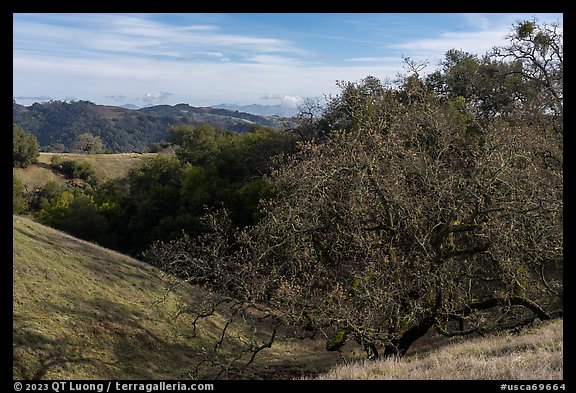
column 81, row 311
column 262, row 110
column 122, row 130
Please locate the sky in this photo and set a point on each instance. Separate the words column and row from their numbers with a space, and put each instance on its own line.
column 240, row 58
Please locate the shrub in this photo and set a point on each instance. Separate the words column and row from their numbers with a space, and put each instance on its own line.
column 76, row 170
column 25, row 149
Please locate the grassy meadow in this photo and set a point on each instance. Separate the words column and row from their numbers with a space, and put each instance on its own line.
column 84, row 312
column 106, row 166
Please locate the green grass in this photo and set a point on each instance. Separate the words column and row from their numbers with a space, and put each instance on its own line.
column 85, row 312
column 535, row 354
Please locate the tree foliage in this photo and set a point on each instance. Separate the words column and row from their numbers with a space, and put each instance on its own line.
column 165, row 195
column 526, row 72
column 24, row 147
column 152, row 202
column 489, row 86
column 87, row 143
column 415, row 211
column 75, row 212
column 75, row 169
column 198, row 145
column 538, row 50
column 383, row 232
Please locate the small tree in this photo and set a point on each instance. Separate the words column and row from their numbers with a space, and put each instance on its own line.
column 489, row 86
column 77, row 170
column 25, row 150
column 198, row 145
column 87, row 143
column 76, row 213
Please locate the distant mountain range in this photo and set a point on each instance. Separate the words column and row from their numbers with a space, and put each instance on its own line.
column 254, row 109
column 58, row 123
column 261, row 110
column 129, row 106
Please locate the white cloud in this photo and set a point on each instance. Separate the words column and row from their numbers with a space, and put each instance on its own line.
column 286, row 101
column 155, row 98
column 96, row 35
column 33, row 98
column 273, row 60
column 478, row 42
column 381, row 59
column 271, row 97
column 89, row 56
column 196, row 82
column 478, row 20
column 291, row 102
column 488, row 31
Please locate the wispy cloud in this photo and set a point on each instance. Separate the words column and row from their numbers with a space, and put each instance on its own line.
column 210, row 55
column 473, row 42
column 117, row 98
column 273, row 60
column 478, row 21
column 475, row 33
column 209, row 82
column 155, row 97
column 209, row 59
column 101, row 34
column 381, row 59
column 33, row 98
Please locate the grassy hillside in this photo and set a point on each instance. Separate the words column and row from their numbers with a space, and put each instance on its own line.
column 107, row 166
column 535, row 354
column 84, row 312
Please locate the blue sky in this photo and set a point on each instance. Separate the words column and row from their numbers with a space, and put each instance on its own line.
column 207, row 59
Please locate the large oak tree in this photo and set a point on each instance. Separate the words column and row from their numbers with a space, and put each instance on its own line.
column 415, row 212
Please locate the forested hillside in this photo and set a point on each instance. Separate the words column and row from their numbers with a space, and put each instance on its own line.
column 57, row 124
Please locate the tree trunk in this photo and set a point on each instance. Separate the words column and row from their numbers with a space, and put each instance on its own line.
column 412, row 334
column 371, row 351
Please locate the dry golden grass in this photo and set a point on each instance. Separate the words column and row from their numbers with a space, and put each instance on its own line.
column 36, row 176
column 533, row 355
column 107, row 166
